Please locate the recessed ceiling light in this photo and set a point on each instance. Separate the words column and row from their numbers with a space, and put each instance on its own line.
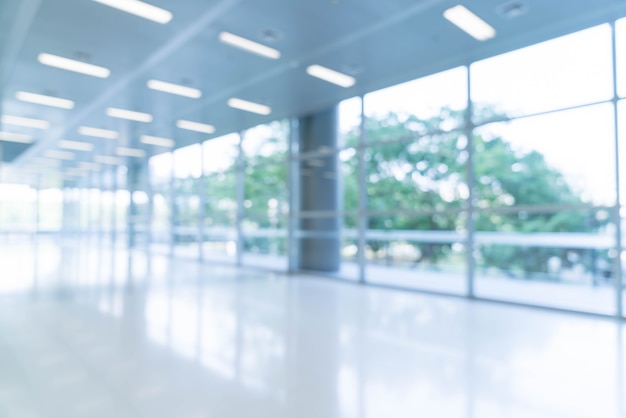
column 72, row 65
column 59, row 155
column 108, row 159
column 332, row 76
column 25, row 122
column 130, row 152
column 85, row 165
column 470, row 23
column 249, row 45
column 129, row 115
column 47, row 162
column 75, row 145
column 195, row 126
column 174, row 89
column 98, row 133
column 44, row 100
column 141, row 9
column 11, row 137
column 158, row 141
column 249, row 106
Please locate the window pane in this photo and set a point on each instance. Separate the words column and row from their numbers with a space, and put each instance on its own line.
column 430, row 103
column 220, row 154
column 266, row 143
column 426, row 173
column 220, row 234
column 567, row 71
column 563, row 158
column 188, row 162
column 419, row 251
column 562, row 259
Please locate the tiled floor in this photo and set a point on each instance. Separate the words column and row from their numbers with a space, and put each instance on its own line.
column 89, row 331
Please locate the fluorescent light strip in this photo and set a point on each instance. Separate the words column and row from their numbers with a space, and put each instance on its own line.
column 195, row 126
column 470, row 23
column 59, row 155
column 19, row 138
column 158, row 141
column 331, row 76
column 98, row 133
column 130, row 152
column 129, row 115
column 249, row 106
column 47, row 162
column 174, row 89
column 107, row 159
column 72, row 65
column 75, row 145
column 248, row 45
column 25, row 122
column 89, row 166
column 141, row 9
column 44, row 100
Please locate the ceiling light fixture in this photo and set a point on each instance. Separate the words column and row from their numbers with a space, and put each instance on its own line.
column 249, row 106
column 248, row 45
column 85, row 165
column 130, row 152
column 75, row 145
column 470, row 23
column 158, row 141
column 44, row 100
column 195, row 126
column 19, row 138
column 46, row 162
column 25, row 122
column 174, row 89
column 129, row 115
column 108, row 159
column 98, row 133
column 141, row 9
column 73, row 65
column 59, row 155
column 332, row 76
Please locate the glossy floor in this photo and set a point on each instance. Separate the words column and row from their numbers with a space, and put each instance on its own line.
column 93, row 331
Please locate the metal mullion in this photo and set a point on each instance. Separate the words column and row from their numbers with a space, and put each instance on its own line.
column 469, row 133
column 240, row 197
column 540, row 208
column 617, row 265
column 201, row 190
column 172, row 205
column 362, row 188
column 410, row 138
column 293, row 193
column 543, row 113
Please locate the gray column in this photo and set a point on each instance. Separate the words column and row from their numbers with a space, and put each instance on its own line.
column 319, row 192
column 133, row 180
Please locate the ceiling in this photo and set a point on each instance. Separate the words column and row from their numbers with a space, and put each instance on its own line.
column 380, row 43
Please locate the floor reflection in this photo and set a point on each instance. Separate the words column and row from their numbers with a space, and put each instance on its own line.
column 113, row 333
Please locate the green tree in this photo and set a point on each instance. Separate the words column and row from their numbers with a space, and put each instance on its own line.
column 423, row 166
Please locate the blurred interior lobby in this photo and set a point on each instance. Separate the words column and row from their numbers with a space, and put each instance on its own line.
column 312, row 209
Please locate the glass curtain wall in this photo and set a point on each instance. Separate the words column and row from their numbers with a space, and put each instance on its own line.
column 497, row 180
column 219, row 197
column 415, row 163
column 160, row 167
column 186, row 200
column 544, row 173
column 265, row 212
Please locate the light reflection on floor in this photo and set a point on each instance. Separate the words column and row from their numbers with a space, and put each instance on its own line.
column 87, row 330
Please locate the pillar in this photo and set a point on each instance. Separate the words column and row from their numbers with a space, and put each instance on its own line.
column 319, row 191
